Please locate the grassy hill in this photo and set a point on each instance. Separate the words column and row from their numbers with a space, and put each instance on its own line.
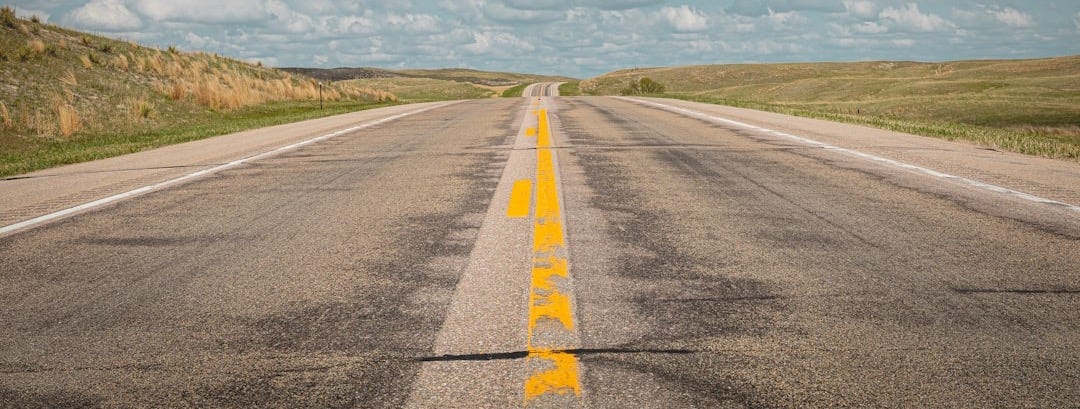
column 1029, row 106
column 68, row 97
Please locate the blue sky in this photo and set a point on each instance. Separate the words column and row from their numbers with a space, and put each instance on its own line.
column 580, row 38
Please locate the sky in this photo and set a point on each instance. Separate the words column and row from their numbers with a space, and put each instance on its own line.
column 578, row 38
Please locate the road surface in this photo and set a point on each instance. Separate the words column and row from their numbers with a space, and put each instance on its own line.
column 545, row 252
column 543, row 89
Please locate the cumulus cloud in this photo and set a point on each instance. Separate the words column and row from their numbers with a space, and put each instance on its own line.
column 755, row 8
column 904, row 42
column 869, row 27
column 203, row 11
column 104, row 15
column 684, row 18
column 488, row 41
column 909, row 18
column 785, row 20
column 416, row 23
column 620, row 4
column 993, row 16
column 288, row 19
column 502, row 13
column 862, row 9
column 1012, row 17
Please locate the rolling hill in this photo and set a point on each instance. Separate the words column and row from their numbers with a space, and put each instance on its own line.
column 1030, row 106
column 67, row 96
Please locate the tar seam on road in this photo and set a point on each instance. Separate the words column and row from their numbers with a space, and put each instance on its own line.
column 576, row 352
column 867, row 156
column 550, row 310
column 172, row 182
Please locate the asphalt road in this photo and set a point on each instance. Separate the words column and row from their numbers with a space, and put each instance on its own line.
column 542, row 89
column 547, row 252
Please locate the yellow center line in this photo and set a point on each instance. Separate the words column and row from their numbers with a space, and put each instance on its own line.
column 520, row 196
column 560, row 373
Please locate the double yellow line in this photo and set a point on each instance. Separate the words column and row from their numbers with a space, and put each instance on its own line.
column 551, row 317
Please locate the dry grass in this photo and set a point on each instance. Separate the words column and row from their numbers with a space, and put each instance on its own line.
column 68, row 119
column 86, row 63
column 36, row 46
column 69, row 79
column 5, row 116
column 121, row 62
column 139, row 109
column 223, row 84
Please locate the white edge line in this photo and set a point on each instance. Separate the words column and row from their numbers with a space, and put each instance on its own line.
column 867, row 156
column 135, row 192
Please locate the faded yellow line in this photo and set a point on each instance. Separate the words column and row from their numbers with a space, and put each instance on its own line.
column 560, row 374
column 520, row 197
column 562, row 378
column 530, row 132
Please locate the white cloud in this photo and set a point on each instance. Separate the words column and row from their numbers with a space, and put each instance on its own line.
column 904, row 42
column 869, row 27
column 488, row 41
column 288, row 19
column 854, row 42
column 684, row 18
column 1012, row 17
column 500, row 12
column 104, row 15
column 1076, row 21
column 198, row 42
column 203, row 11
column 417, row 23
column 757, row 8
column 354, row 24
column 908, row 17
column 862, row 9
column 787, row 19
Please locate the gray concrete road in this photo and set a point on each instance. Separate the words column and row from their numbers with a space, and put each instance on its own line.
column 682, row 255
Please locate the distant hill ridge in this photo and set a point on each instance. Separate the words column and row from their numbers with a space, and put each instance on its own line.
column 485, row 78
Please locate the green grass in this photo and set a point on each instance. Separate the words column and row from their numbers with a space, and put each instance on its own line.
column 569, row 89
column 514, row 91
column 424, row 89
column 43, row 153
column 1027, row 106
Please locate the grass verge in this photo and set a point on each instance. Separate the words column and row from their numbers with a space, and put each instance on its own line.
column 514, row 91
column 1027, row 140
column 570, row 89
column 42, row 153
